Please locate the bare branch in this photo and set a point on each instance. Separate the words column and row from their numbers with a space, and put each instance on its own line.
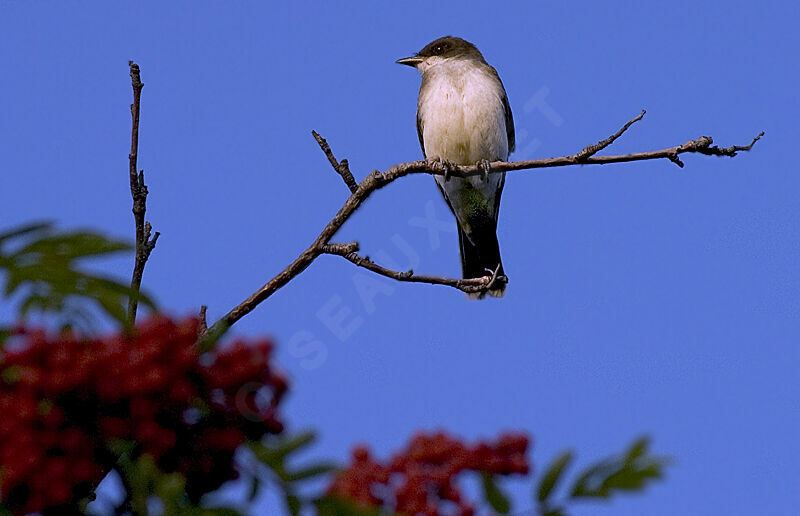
column 732, row 150
column 376, row 180
column 342, row 168
column 349, row 252
column 591, row 150
column 144, row 244
column 202, row 324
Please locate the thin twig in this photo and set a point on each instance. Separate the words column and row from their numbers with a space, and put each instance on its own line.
column 377, row 180
column 349, row 252
column 341, row 167
column 732, row 150
column 202, row 322
column 591, row 150
column 144, row 244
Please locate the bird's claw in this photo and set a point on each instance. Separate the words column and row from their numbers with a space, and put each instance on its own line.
column 447, row 166
column 494, row 277
column 485, row 167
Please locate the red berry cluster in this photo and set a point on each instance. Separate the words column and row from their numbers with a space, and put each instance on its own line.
column 421, row 479
column 64, row 399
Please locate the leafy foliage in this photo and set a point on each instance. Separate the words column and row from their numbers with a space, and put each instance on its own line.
column 145, row 480
column 334, row 506
column 41, row 265
column 553, row 475
column 494, row 496
column 275, row 454
column 631, row 471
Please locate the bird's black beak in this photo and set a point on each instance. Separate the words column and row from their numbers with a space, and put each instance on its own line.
column 410, row 61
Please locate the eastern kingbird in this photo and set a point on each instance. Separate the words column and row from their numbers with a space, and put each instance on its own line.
column 463, row 118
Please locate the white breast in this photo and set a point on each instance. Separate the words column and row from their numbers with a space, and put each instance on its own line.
column 462, row 113
column 463, row 121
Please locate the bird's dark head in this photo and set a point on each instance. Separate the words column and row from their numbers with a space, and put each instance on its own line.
column 442, row 49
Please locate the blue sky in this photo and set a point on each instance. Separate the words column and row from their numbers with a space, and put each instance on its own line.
column 643, row 298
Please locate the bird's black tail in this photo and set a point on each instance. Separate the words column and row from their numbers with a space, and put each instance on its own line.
column 480, row 256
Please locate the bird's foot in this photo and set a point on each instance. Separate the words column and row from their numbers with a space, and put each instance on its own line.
column 485, row 167
column 496, row 282
column 446, row 165
column 495, row 277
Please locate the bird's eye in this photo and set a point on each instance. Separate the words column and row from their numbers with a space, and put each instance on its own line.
column 438, row 49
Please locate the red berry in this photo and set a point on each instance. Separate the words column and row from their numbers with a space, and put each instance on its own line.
column 63, row 396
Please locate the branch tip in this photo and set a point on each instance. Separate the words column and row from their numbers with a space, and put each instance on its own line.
column 342, row 168
column 591, row 150
column 727, row 151
column 202, row 324
column 144, row 244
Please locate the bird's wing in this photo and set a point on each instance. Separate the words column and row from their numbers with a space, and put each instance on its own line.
column 509, row 116
column 419, row 134
column 500, row 191
column 509, row 122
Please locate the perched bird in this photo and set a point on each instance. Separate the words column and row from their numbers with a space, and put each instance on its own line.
column 463, row 118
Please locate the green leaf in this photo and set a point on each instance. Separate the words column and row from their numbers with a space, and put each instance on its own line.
column 630, row 472
column 5, row 332
column 170, row 488
column 255, row 485
column 269, row 458
column 144, row 480
column 312, row 471
column 336, row 506
column 141, row 477
column 214, row 333
column 279, row 448
column 68, row 246
column 210, row 511
column 120, row 447
column 496, row 498
column 274, row 452
column 637, row 449
column 553, row 475
column 297, row 442
column 293, row 504
column 25, row 229
column 41, row 265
